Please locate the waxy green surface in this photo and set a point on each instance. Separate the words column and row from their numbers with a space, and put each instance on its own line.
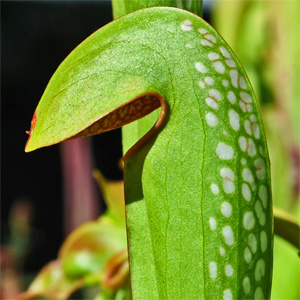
column 198, row 205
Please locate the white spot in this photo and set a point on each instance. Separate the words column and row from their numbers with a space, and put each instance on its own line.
column 209, row 80
column 226, row 209
column 247, row 175
column 258, row 294
column 213, row 56
column 215, row 94
column 225, row 132
column 200, row 67
column 260, row 168
column 243, row 161
column 242, row 82
column 231, row 97
column 255, row 126
column 234, row 75
column 212, row 223
column 211, row 119
column 249, row 107
column 234, row 119
column 213, row 270
column 228, row 184
column 260, row 213
column 243, row 106
column 246, row 285
column 212, row 103
column 228, row 270
column 227, row 295
column 247, row 255
column 248, row 220
column 246, row 192
column 206, row 43
column 252, row 118
column 228, row 235
column 186, row 25
column 226, row 172
column 261, row 150
column 201, row 84
column 247, row 127
column 252, row 242
column 202, row 30
column 219, row 67
column 262, row 219
column 243, row 143
column 210, row 38
column 230, row 63
column 251, row 148
column 214, row 188
column 224, row 152
column 225, row 52
column 222, row 251
column 258, row 208
column 189, row 46
column 263, row 241
column 225, row 82
column 262, row 193
column 259, row 269
column 246, row 97
column 255, row 129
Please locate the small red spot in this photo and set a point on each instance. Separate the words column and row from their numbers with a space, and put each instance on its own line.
column 247, row 145
column 227, row 178
column 33, row 122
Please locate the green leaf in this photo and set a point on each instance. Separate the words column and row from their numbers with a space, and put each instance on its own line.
column 259, row 31
column 286, row 274
column 198, row 205
column 136, row 130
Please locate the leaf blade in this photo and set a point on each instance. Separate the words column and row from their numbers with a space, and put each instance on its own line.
column 217, row 218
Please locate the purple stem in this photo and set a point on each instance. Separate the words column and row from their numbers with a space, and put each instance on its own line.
column 81, row 197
